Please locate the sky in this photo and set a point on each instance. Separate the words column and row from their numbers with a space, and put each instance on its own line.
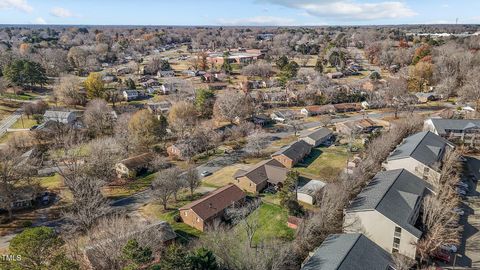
column 238, row 12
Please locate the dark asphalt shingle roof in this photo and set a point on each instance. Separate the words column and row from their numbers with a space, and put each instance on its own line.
column 394, row 194
column 295, row 151
column 441, row 125
column 426, row 147
column 319, row 134
column 269, row 170
column 348, row 252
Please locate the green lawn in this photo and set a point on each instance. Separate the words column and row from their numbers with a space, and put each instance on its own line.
column 17, row 97
column 272, row 220
column 137, row 185
column 25, row 123
column 51, row 182
column 324, row 163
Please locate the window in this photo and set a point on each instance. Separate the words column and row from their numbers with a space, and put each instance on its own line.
column 398, row 232
column 394, row 250
column 186, row 213
column 198, row 220
column 426, row 169
column 396, row 243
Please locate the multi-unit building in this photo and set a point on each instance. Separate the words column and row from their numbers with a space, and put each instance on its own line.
column 464, row 131
column 387, row 211
column 261, row 175
column 421, row 154
column 290, row 155
column 347, row 252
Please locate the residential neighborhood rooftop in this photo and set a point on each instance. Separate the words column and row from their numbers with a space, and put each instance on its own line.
column 348, row 252
column 395, row 194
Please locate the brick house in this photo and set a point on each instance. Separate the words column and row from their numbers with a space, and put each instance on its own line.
column 209, row 209
column 259, row 176
column 290, row 155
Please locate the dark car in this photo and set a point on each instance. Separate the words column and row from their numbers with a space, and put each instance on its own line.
column 441, row 255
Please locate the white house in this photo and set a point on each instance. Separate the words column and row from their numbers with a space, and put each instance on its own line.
column 130, row 94
column 421, row 154
column 307, row 193
column 387, row 210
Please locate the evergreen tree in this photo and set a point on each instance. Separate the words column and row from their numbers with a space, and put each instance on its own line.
column 25, row 72
column 203, row 259
column 136, row 255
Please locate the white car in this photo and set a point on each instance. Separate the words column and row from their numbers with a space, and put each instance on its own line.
column 205, row 173
column 459, row 211
column 449, row 248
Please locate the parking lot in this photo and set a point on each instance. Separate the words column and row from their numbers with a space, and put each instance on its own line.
column 468, row 255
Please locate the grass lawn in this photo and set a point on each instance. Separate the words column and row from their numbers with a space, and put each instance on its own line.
column 137, row 185
column 324, row 163
column 26, row 123
column 222, row 177
column 272, row 220
column 51, row 182
column 285, row 141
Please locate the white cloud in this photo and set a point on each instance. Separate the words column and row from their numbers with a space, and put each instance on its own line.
column 16, row 4
column 62, row 12
column 257, row 21
column 349, row 9
column 39, row 20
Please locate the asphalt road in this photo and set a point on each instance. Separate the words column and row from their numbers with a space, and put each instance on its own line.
column 9, row 121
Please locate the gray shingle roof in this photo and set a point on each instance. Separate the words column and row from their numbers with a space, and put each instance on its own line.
column 426, row 147
column 394, row 194
column 295, row 151
column 311, row 187
column 348, row 252
column 320, row 134
column 269, row 170
column 442, row 125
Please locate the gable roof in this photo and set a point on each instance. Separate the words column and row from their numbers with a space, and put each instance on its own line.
column 295, row 151
column 319, row 134
column 215, row 202
column 269, row 170
column 136, row 161
column 348, row 252
column 426, row 147
column 57, row 115
column 311, row 187
column 394, row 194
column 442, row 125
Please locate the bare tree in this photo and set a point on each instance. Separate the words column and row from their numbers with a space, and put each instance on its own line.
column 471, row 89
column 67, row 90
column 99, row 118
column 16, row 180
column 192, row 179
column 258, row 69
column 247, row 218
column 166, row 184
column 231, row 106
column 257, row 142
column 402, row 262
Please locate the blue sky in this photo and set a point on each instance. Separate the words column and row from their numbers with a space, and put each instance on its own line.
column 238, row 12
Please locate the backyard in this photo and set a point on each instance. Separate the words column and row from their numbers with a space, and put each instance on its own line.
column 324, row 163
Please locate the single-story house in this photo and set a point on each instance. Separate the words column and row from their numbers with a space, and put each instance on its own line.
column 307, row 193
column 290, row 155
column 347, row 252
column 366, row 125
column 318, row 110
column 318, row 137
column 208, row 210
column 426, row 97
column 347, row 107
column 260, row 120
column 261, row 175
column 64, row 117
column 133, row 166
column 166, row 73
column 130, row 94
column 159, row 108
column 335, row 75
column 283, row 116
column 387, row 211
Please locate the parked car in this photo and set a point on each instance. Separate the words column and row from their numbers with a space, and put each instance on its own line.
column 449, row 248
column 459, row 211
column 463, row 185
column 205, row 173
column 441, row 255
